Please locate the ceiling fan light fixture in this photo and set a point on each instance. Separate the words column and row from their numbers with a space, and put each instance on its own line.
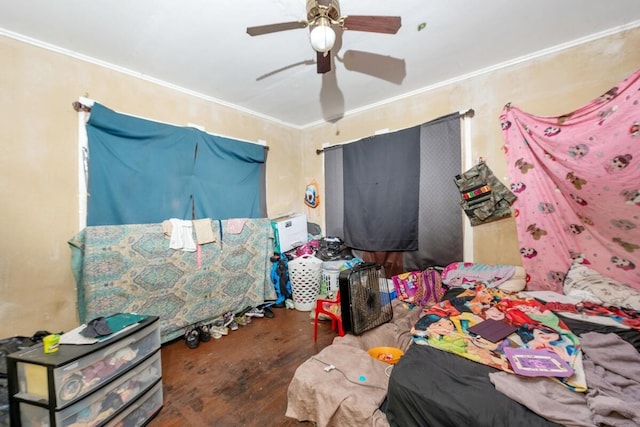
column 322, row 36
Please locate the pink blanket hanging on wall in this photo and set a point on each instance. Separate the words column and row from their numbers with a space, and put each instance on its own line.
column 577, row 178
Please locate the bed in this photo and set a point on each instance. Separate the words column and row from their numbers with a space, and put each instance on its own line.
column 432, row 386
column 436, row 388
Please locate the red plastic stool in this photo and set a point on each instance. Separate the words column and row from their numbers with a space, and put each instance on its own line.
column 331, row 308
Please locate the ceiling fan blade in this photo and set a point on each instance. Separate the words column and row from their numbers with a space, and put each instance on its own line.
column 273, row 28
column 383, row 67
column 373, row 24
column 324, row 62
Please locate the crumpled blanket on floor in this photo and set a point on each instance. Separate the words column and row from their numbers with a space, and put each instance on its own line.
column 351, row 394
column 343, row 396
column 612, row 369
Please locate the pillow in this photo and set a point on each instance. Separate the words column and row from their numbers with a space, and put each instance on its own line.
column 515, row 283
column 581, row 279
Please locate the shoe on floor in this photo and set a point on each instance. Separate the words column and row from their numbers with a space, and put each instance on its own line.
column 229, row 321
column 255, row 312
column 268, row 313
column 242, row 320
column 192, row 337
column 217, row 322
column 204, row 332
column 218, row 331
column 266, row 308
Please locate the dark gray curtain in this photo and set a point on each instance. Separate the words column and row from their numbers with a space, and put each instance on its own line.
column 334, row 191
column 439, row 217
column 378, row 217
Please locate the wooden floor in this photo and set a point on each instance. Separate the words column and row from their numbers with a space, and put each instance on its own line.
column 242, row 378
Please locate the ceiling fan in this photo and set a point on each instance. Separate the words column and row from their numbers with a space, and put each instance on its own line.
column 322, row 15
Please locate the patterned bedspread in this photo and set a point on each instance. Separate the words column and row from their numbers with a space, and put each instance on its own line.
column 446, row 326
column 130, row 268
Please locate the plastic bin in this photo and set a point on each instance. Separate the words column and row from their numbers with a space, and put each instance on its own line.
column 304, row 274
column 330, row 274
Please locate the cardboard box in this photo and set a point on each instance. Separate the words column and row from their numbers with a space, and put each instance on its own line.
column 289, row 231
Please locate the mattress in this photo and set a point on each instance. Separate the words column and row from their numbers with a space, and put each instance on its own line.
column 430, row 387
column 131, row 269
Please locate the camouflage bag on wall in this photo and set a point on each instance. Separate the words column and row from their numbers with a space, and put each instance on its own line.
column 483, row 197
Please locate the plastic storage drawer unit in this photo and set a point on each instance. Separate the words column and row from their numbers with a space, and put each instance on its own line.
column 101, row 405
column 85, row 384
column 76, row 379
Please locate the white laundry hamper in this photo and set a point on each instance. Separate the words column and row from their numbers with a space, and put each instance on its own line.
column 304, row 274
column 330, row 274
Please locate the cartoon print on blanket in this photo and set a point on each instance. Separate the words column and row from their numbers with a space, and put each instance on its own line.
column 577, row 177
column 446, row 326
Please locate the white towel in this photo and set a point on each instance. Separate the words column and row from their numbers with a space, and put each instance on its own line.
column 182, row 235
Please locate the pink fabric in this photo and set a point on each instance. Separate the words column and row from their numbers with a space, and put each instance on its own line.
column 577, row 178
column 235, row 225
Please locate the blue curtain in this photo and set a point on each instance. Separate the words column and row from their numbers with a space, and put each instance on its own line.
column 142, row 171
column 227, row 174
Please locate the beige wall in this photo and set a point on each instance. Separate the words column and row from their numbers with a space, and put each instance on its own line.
column 39, row 170
column 551, row 85
column 39, row 140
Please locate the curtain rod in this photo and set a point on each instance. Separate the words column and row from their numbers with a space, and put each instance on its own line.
column 79, row 106
column 469, row 113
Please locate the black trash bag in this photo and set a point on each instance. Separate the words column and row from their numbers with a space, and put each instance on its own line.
column 332, row 249
column 11, row 345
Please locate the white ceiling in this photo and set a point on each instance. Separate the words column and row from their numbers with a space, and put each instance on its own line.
column 201, row 46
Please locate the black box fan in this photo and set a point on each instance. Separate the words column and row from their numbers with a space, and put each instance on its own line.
column 364, row 298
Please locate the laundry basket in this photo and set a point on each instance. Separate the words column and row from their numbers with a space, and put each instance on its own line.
column 304, row 274
column 330, row 273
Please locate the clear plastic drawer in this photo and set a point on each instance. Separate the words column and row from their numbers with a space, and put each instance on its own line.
column 80, row 377
column 102, row 404
column 142, row 410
